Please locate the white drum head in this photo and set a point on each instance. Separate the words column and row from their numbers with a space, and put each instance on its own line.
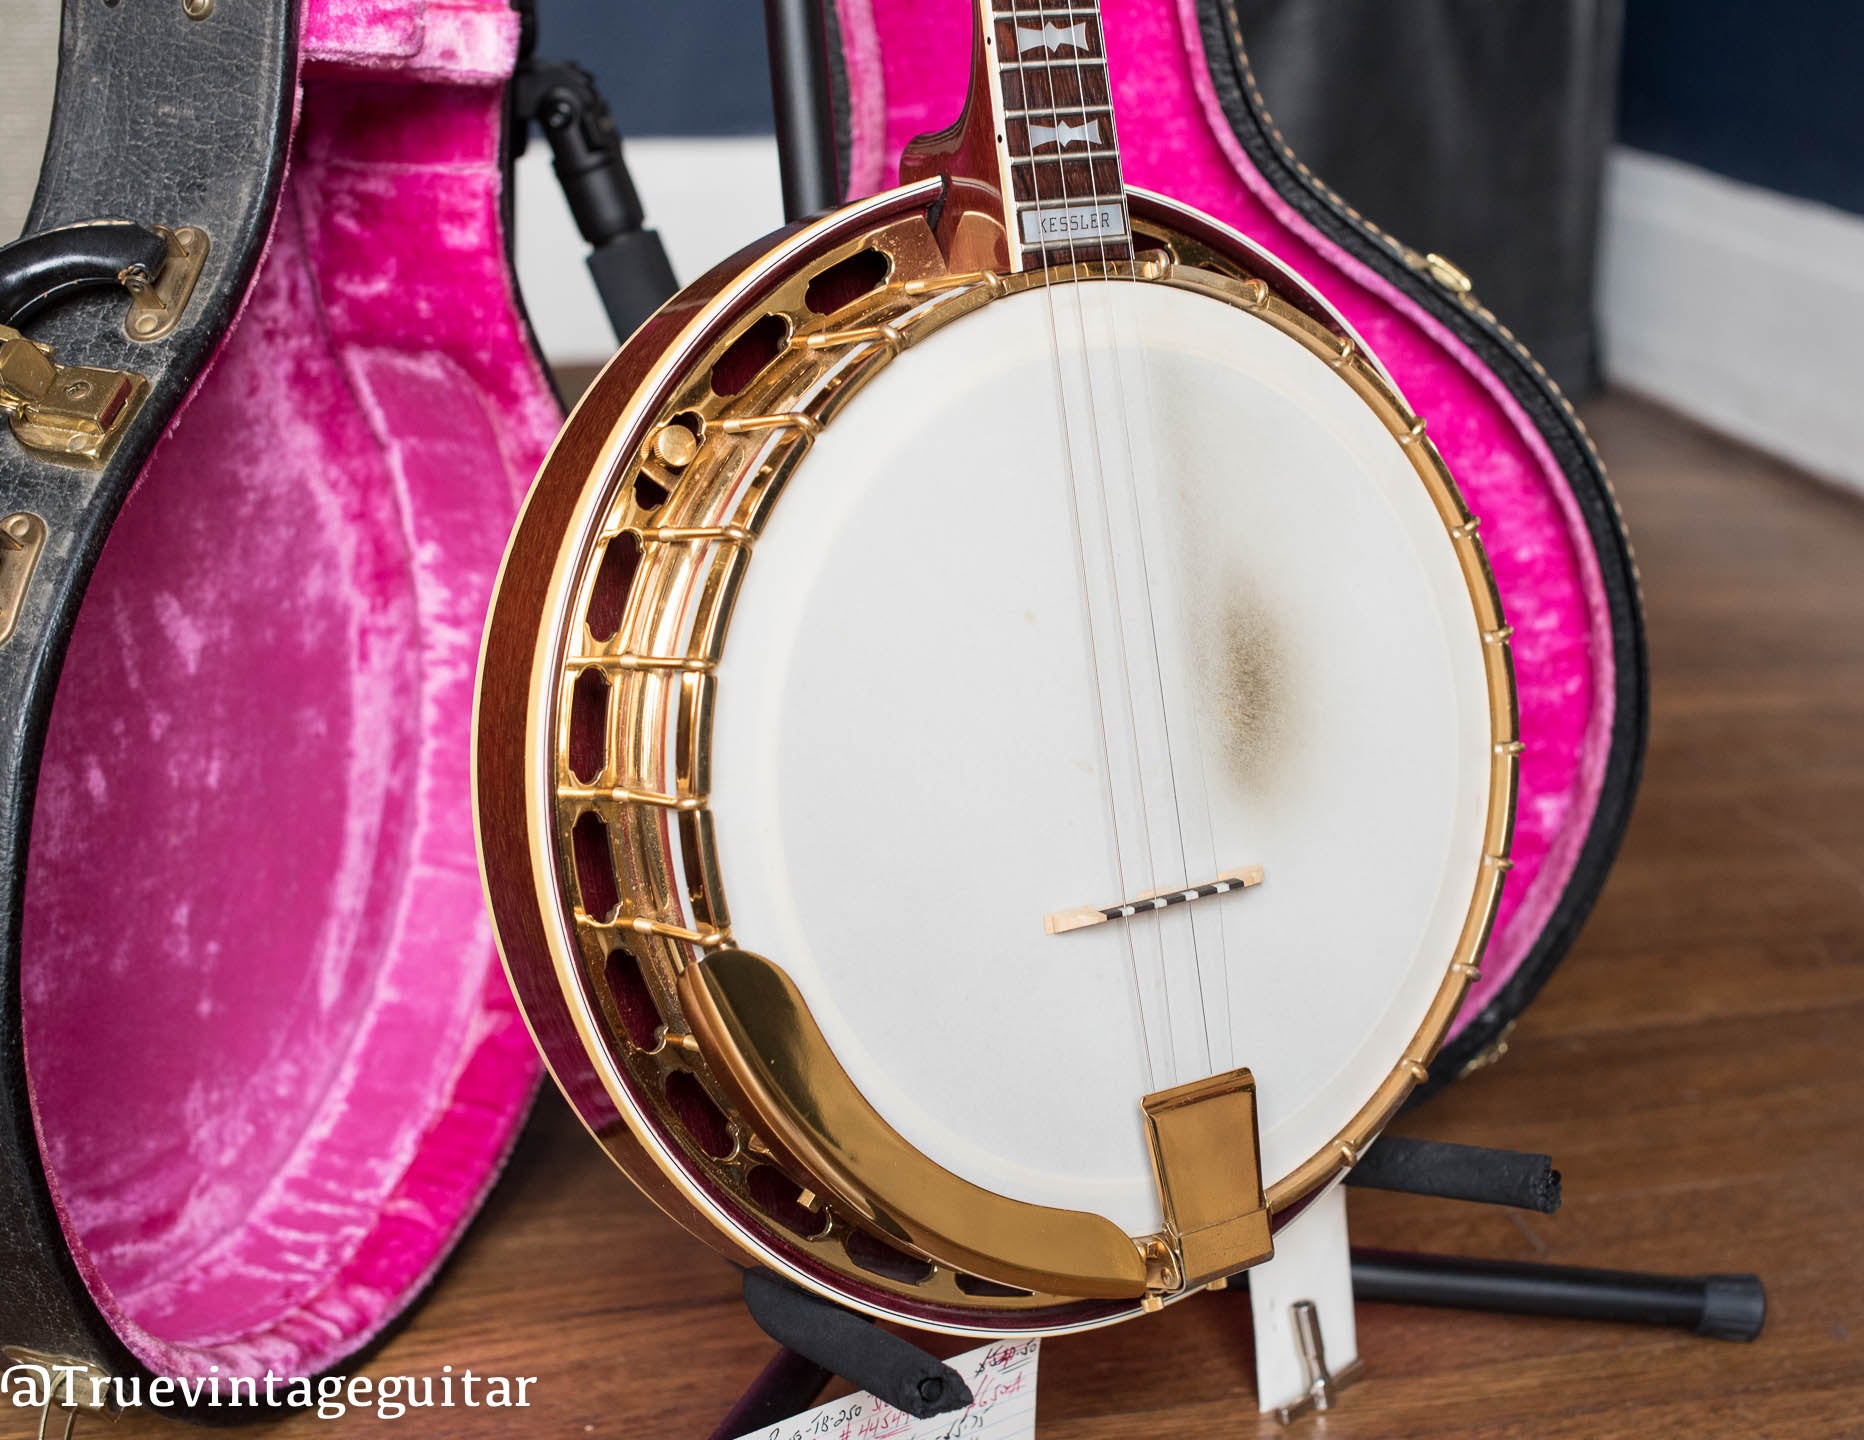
column 989, row 664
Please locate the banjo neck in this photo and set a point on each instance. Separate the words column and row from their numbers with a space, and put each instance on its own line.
column 1032, row 167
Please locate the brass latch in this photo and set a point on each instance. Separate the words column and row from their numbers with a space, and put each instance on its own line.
column 22, row 540
column 156, row 301
column 72, row 411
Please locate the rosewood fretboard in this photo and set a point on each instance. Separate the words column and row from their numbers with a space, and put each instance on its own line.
column 1066, row 201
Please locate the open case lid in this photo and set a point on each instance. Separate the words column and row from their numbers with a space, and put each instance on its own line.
column 1194, row 127
column 258, row 1062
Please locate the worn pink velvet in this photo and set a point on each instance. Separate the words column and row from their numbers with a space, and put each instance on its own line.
column 908, row 63
column 274, row 1064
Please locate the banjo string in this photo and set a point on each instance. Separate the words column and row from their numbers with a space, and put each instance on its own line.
column 1077, row 295
column 1124, row 417
column 1094, row 639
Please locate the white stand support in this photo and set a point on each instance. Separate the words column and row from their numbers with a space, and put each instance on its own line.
column 1303, row 1358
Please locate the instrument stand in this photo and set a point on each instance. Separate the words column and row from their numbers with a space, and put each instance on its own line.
column 1302, row 1300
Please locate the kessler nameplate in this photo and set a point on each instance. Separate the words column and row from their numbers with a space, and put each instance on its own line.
column 1073, row 224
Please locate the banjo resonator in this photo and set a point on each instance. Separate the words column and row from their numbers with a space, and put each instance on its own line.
column 1007, row 540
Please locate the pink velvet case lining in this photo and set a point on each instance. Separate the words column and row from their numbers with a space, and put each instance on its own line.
column 274, row 1063
column 908, row 66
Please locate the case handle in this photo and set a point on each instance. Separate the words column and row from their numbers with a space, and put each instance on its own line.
column 72, row 412
column 37, row 270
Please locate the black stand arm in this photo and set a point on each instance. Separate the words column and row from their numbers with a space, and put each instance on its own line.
column 786, row 1386
column 1723, row 1307
column 832, row 1340
column 796, row 32
column 1460, row 1172
column 821, row 1340
column 628, row 261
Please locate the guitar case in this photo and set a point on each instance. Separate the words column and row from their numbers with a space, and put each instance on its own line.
column 258, row 1063
column 1194, row 127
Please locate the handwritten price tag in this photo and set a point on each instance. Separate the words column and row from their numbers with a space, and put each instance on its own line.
column 1002, row 1378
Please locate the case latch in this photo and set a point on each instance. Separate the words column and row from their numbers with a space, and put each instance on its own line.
column 73, row 411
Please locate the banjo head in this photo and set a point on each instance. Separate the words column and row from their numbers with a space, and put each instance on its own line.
column 993, row 787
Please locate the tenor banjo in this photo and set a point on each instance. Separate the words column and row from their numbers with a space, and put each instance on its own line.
column 996, row 738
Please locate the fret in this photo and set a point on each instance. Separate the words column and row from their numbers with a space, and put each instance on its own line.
column 1065, row 179
column 1043, row 87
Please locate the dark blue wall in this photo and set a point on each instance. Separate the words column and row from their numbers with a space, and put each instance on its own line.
column 1772, row 94
column 1768, row 93
column 668, row 67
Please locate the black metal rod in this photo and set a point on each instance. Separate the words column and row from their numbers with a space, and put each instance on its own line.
column 796, row 32
column 1726, row 1307
column 787, row 1385
column 1460, row 1172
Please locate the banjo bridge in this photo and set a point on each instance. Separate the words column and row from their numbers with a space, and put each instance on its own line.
column 1063, row 921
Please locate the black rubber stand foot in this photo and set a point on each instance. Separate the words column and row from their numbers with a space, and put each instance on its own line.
column 1734, row 1307
column 1460, row 1172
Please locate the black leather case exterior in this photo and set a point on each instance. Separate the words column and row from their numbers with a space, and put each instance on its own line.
column 170, row 121
column 1492, row 118
column 1554, row 418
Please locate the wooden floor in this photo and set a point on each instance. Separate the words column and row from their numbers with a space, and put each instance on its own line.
column 1694, row 1068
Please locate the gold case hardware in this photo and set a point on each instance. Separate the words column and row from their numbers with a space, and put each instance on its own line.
column 1447, row 273
column 75, row 412
column 1489, row 1053
column 22, row 539
column 1207, row 1155
column 750, row 1019
column 1323, row 1385
column 157, row 302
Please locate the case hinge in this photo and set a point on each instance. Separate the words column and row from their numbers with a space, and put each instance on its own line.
column 156, row 301
column 22, row 541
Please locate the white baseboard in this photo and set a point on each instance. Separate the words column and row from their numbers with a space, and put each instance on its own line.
column 1739, row 306
column 706, row 197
